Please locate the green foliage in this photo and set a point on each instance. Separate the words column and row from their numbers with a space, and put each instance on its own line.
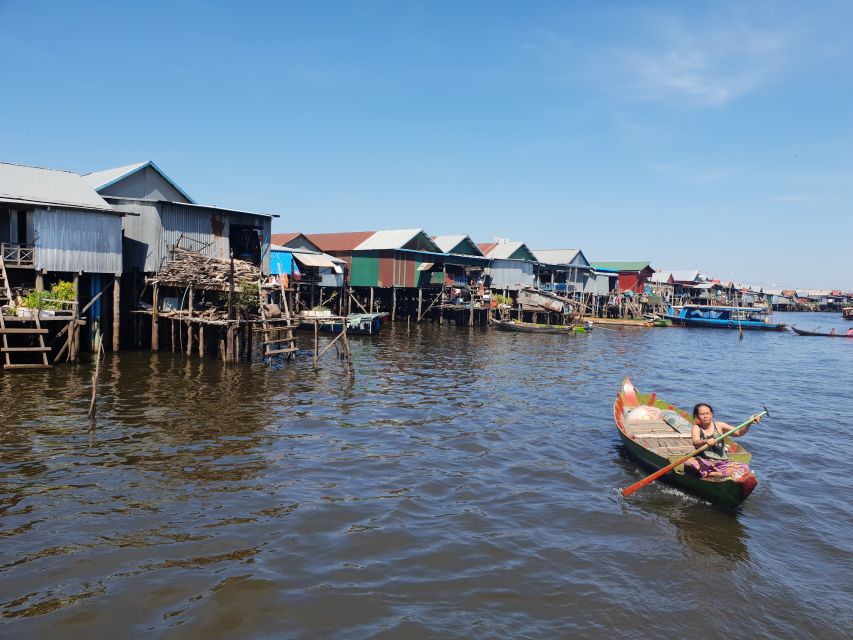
column 502, row 299
column 245, row 299
column 62, row 291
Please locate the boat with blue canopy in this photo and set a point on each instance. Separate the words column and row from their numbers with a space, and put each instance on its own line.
column 742, row 318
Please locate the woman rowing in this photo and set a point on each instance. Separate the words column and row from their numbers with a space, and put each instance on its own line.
column 714, row 461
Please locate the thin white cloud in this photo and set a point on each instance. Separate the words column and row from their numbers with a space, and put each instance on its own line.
column 707, row 66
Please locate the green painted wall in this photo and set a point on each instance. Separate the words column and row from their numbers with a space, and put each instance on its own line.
column 365, row 270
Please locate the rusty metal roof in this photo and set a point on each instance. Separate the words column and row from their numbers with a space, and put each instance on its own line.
column 346, row 241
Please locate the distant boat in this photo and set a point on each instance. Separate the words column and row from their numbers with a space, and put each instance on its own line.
column 847, row 313
column 697, row 315
column 357, row 323
column 826, row 334
column 531, row 327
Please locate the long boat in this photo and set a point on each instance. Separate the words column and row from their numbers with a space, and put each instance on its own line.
column 825, row 334
column 530, row 327
column 698, row 315
column 657, row 434
column 847, row 313
column 357, row 323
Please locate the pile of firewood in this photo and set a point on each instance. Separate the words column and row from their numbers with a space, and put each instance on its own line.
column 204, row 272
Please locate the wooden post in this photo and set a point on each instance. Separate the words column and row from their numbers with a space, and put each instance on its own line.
column 190, row 323
column 420, row 302
column 231, row 290
column 222, row 353
column 155, row 322
column 393, row 304
column 39, row 281
column 317, row 340
column 117, row 312
column 201, row 340
column 370, row 310
column 172, row 326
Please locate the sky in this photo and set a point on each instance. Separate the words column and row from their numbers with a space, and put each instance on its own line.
column 702, row 135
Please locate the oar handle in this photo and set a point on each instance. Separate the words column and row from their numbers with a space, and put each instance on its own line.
column 657, row 474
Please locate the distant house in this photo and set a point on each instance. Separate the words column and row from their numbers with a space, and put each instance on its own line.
column 162, row 217
column 512, row 265
column 463, row 261
column 563, row 270
column 384, row 259
column 632, row 275
column 297, row 256
column 53, row 221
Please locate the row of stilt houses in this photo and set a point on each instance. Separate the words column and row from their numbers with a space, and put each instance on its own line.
column 128, row 255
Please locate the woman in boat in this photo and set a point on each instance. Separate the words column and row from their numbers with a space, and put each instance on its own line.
column 714, row 461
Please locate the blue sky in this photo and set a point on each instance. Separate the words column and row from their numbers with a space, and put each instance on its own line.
column 712, row 135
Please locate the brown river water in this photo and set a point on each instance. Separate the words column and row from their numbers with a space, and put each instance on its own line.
column 463, row 484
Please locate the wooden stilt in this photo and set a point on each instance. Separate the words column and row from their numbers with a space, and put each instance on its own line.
column 316, row 342
column 420, row 302
column 393, row 304
column 39, row 281
column 372, row 309
column 172, row 326
column 116, row 312
column 190, row 323
column 201, row 340
column 155, row 321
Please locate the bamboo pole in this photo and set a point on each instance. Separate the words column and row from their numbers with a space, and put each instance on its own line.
column 420, row 302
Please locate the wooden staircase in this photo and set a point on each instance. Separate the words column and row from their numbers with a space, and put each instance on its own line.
column 6, row 331
column 278, row 338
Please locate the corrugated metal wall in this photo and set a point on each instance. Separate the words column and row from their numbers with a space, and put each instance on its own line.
column 511, row 274
column 72, row 240
column 364, row 271
column 160, row 225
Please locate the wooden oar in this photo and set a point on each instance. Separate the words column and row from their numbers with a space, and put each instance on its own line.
column 657, row 474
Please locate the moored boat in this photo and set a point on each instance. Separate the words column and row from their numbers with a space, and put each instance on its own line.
column 357, row 323
column 847, row 313
column 657, row 434
column 531, row 327
column 697, row 315
column 825, row 334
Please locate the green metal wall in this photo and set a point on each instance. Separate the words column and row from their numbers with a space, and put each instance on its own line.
column 365, row 269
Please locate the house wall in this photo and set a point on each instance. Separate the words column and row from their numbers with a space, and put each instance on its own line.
column 146, row 184
column 160, row 225
column 364, row 269
column 72, row 240
column 511, row 274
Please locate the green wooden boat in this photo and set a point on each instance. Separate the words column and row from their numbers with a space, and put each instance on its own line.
column 659, row 438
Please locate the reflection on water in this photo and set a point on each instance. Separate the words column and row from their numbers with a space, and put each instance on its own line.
column 464, row 483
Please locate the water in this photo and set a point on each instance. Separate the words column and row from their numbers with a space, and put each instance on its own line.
column 465, row 483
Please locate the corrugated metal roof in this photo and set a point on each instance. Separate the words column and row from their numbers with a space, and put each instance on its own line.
column 447, row 244
column 503, row 250
column 486, row 247
column 621, row 266
column 556, row 256
column 284, row 238
column 103, row 179
column 195, row 205
column 661, row 277
column 52, row 187
column 346, row 241
column 686, row 276
column 397, row 239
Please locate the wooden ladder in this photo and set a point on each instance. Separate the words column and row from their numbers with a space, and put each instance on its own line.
column 7, row 351
column 5, row 290
column 278, row 338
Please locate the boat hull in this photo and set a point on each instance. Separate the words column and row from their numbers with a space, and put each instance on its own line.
column 803, row 332
column 725, row 492
column 529, row 327
column 746, row 325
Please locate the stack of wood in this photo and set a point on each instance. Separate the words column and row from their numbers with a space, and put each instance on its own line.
column 204, row 272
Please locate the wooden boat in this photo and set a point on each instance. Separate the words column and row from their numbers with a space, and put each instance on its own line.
column 658, row 438
column 697, row 315
column 847, row 313
column 530, row 327
column 825, row 334
column 357, row 323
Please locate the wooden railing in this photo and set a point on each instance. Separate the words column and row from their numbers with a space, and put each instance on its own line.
column 18, row 255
